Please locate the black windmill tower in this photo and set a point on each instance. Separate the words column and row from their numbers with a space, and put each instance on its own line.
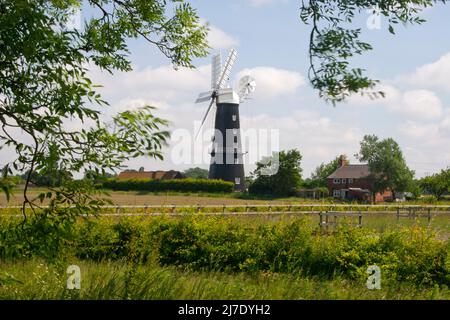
column 226, row 153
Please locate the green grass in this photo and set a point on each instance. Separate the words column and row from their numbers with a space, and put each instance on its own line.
column 107, row 280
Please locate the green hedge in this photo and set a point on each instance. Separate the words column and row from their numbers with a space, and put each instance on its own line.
column 201, row 243
column 186, row 185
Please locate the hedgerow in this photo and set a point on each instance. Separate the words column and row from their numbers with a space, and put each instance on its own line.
column 200, row 243
column 154, row 185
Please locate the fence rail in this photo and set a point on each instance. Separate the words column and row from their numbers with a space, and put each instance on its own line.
column 393, row 207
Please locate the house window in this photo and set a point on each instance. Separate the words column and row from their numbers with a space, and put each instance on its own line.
column 234, row 117
column 235, row 139
column 336, row 193
column 350, row 180
column 237, row 180
column 343, row 181
column 336, row 181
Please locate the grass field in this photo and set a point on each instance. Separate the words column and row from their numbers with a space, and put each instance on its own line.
column 244, row 237
column 36, row 280
column 178, row 198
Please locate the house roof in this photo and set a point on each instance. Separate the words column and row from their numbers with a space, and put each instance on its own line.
column 150, row 175
column 135, row 175
column 352, row 171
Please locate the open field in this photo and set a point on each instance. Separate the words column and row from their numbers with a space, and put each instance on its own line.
column 178, row 198
column 135, row 253
column 107, row 280
column 380, row 217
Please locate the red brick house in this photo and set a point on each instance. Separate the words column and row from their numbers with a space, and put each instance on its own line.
column 351, row 182
column 159, row 175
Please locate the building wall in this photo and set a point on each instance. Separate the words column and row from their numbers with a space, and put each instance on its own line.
column 358, row 183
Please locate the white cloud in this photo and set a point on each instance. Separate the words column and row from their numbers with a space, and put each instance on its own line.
column 435, row 74
column 420, row 104
column 219, row 39
column 162, row 84
column 417, row 130
column 392, row 94
column 317, row 137
column 272, row 82
column 413, row 104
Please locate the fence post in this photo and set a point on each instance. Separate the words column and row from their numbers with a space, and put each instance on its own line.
column 360, row 219
column 321, row 220
column 173, row 209
column 223, row 208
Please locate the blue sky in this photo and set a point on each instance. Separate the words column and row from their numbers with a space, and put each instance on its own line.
column 272, row 43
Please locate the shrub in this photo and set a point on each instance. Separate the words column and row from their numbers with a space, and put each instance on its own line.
column 184, row 185
column 202, row 243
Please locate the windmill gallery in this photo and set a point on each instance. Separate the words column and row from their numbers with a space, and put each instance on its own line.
column 226, row 153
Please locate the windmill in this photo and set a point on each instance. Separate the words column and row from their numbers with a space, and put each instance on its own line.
column 226, row 153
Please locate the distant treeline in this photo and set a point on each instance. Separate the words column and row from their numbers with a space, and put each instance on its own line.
column 153, row 185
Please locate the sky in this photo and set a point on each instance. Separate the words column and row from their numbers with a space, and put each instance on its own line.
column 272, row 45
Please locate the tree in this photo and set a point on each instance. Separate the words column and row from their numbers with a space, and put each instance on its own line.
column 196, row 173
column 437, row 184
column 333, row 43
column 98, row 177
column 388, row 168
column 320, row 174
column 285, row 181
column 50, row 177
column 44, row 84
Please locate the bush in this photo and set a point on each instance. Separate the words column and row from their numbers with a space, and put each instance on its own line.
column 200, row 243
column 184, row 185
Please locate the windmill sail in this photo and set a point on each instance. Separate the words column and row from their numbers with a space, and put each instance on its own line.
column 204, row 118
column 216, row 69
column 204, row 96
column 225, row 75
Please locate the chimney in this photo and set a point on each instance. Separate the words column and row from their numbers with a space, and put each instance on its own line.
column 342, row 160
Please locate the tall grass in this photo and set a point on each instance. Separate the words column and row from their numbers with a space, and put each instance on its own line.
column 34, row 280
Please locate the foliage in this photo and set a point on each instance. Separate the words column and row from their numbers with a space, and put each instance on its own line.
column 196, row 173
column 46, row 94
column 284, row 181
column 98, row 177
column 198, row 243
column 320, row 174
column 155, row 185
column 49, row 177
column 388, row 168
column 333, row 42
column 437, row 184
column 106, row 280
